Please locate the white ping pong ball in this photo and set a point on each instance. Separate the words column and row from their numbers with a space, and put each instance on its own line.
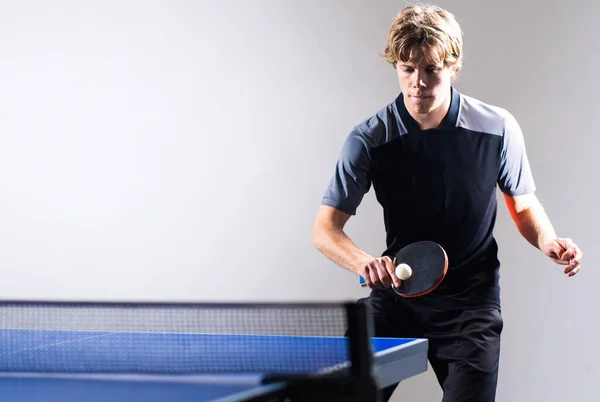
column 403, row 271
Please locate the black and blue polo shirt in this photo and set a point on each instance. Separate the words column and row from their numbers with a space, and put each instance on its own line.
column 438, row 185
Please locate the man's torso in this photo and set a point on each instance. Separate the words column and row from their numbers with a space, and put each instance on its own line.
column 437, row 185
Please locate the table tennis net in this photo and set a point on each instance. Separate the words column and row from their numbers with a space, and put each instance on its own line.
column 172, row 339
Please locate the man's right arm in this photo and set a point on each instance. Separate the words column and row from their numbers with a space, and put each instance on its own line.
column 350, row 182
column 329, row 238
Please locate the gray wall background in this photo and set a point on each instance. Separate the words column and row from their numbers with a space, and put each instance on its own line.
column 178, row 150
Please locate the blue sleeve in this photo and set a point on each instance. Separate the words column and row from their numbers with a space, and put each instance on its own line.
column 515, row 177
column 351, row 179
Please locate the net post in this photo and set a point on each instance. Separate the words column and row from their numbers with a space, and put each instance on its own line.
column 359, row 333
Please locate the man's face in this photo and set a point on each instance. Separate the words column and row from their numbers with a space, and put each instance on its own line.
column 425, row 86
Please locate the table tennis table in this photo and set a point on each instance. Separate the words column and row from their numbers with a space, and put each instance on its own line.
column 139, row 365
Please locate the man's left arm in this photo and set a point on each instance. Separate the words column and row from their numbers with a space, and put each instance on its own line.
column 534, row 225
column 516, row 181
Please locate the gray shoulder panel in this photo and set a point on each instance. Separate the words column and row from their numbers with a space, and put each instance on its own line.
column 351, row 179
column 481, row 117
column 382, row 127
column 514, row 176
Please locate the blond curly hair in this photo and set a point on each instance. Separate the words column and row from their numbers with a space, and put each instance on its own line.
column 429, row 31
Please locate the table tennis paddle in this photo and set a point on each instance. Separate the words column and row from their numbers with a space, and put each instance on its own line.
column 421, row 267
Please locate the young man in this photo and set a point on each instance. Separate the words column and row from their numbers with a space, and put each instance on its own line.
column 434, row 158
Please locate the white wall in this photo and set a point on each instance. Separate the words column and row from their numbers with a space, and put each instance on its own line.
column 178, row 150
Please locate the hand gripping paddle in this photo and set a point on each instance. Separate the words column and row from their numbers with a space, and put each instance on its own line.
column 421, row 267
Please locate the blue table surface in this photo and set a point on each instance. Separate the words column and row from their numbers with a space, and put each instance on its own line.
column 175, row 367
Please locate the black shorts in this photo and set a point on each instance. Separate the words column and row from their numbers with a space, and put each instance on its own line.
column 464, row 345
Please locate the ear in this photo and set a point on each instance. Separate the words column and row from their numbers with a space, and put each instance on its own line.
column 454, row 70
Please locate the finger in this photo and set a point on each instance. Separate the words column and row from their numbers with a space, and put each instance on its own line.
column 559, row 247
column 574, row 261
column 574, row 264
column 367, row 275
column 568, row 249
column 382, row 270
column 556, row 251
column 391, row 269
column 574, row 257
column 567, row 253
column 570, row 268
column 376, row 283
column 559, row 254
column 570, row 253
column 376, row 276
column 574, row 271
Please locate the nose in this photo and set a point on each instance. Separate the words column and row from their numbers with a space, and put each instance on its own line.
column 419, row 78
